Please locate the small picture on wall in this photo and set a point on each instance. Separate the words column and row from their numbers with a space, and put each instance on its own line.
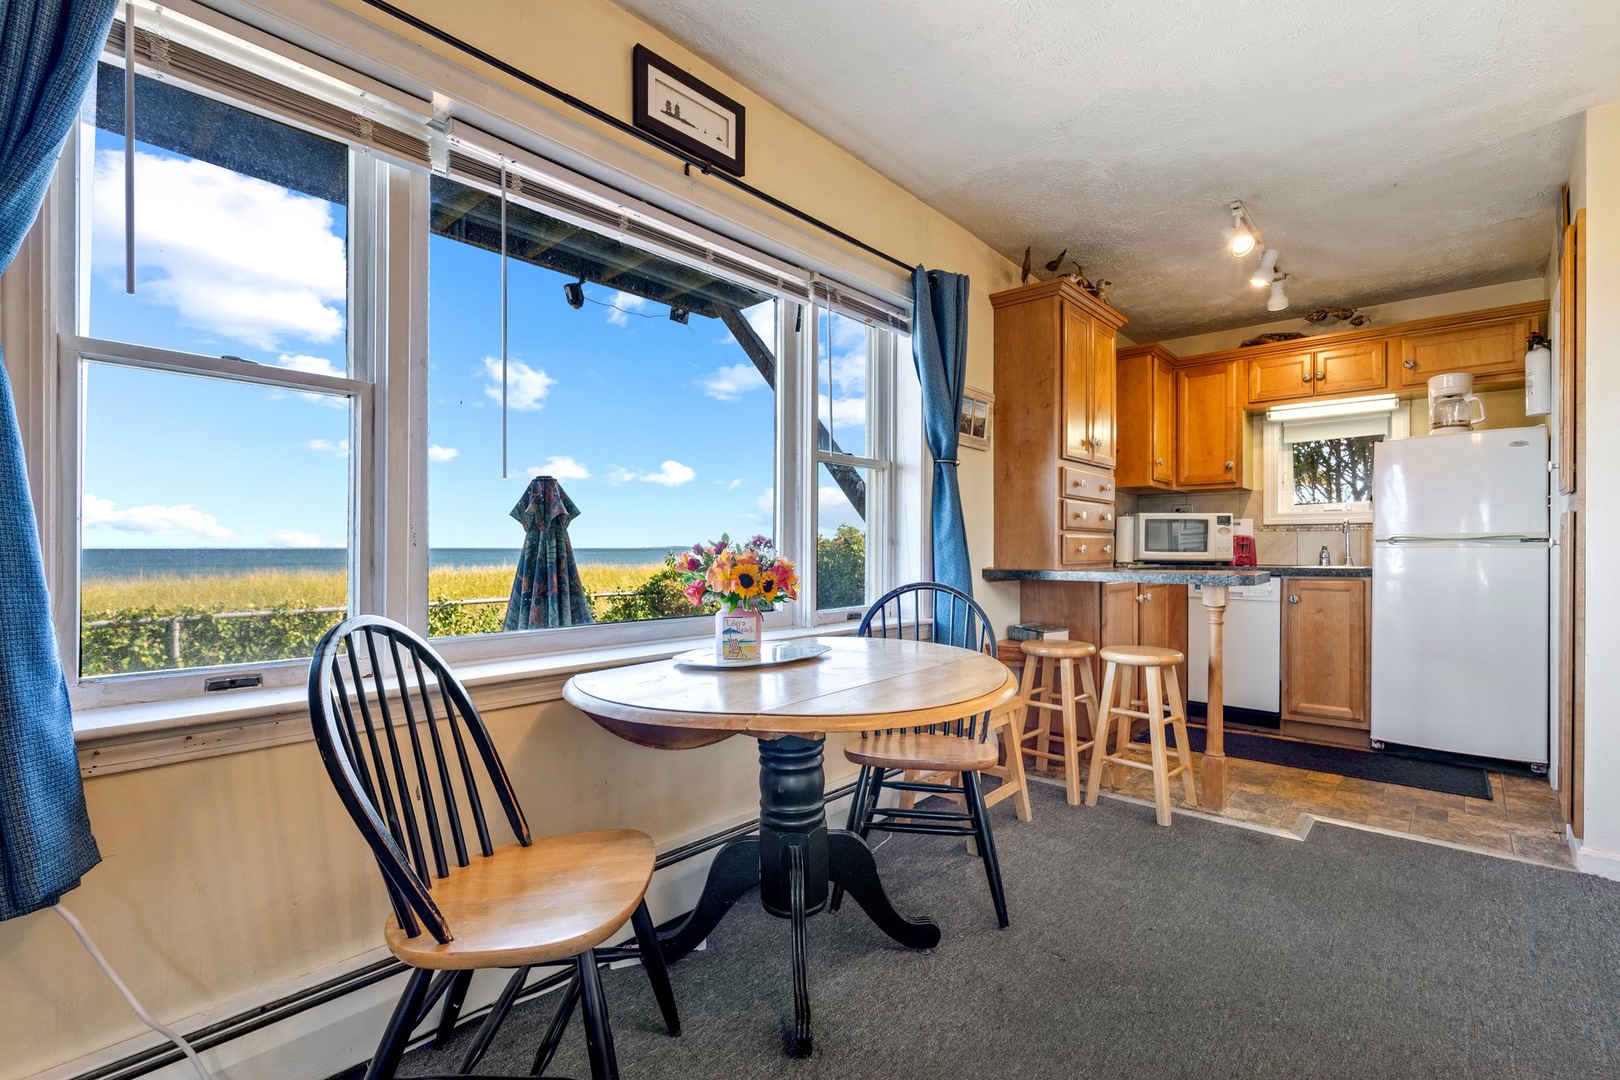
column 974, row 424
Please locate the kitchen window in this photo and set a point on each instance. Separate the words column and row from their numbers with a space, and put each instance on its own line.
column 1320, row 468
column 275, row 430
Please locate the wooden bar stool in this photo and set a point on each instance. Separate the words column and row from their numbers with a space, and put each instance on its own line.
column 1048, row 685
column 1155, row 663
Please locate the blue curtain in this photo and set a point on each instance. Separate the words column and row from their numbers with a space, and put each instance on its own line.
column 939, row 348
column 48, row 52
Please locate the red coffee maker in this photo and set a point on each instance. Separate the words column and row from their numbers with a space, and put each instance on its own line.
column 1243, row 550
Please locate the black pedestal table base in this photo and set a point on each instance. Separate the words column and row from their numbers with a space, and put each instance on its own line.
column 795, row 860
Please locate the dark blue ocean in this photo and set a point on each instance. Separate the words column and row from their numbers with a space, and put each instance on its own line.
column 138, row 562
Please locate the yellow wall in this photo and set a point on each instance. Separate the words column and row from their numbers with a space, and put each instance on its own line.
column 235, row 873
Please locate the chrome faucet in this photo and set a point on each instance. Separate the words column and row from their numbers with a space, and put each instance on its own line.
column 1349, row 559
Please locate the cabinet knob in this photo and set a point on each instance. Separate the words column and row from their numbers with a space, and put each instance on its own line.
column 1108, row 549
column 1106, row 487
column 1408, row 364
column 1293, row 599
column 1305, row 377
column 1320, row 375
column 1228, row 466
column 1084, row 548
column 1158, row 461
column 1141, row 598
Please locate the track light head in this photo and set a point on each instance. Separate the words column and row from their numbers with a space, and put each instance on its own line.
column 1241, row 237
column 1266, row 272
column 1278, row 299
column 574, row 293
column 679, row 314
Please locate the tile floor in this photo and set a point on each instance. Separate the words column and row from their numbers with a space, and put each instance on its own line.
column 1521, row 820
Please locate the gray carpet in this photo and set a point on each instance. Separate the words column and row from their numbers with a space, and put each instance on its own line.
column 1199, row 950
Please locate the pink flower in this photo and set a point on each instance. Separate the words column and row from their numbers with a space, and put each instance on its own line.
column 695, row 591
column 697, row 549
column 694, row 563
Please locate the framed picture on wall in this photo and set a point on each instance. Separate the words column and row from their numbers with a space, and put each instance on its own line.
column 976, row 421
column 687, row 112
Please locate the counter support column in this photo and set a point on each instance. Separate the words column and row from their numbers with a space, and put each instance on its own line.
column 1213, row 796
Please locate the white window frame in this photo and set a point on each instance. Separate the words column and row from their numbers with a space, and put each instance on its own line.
column 1278, row 508
column 387, row 341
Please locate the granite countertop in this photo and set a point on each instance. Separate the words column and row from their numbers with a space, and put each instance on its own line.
column 1161, row 574
column 1150, row 575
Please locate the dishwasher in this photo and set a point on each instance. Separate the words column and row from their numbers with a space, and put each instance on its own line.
column 1251, row 652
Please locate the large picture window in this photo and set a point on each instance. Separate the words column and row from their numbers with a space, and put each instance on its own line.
column 340, row 373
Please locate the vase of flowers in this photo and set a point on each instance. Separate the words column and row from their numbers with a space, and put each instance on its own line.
column 745, row 580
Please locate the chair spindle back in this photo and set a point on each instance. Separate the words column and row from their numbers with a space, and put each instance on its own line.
column 399, row 735
column 930, row 611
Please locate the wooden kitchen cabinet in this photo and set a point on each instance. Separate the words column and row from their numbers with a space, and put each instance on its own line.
column 1056, row 426
column 1121, row 613
column 1482, row 350
column 1326, row 641
column 1147, row 419
column 1355, row 368
column 1209, row 427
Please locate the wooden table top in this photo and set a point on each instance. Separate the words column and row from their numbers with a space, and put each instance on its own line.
column 862, row 683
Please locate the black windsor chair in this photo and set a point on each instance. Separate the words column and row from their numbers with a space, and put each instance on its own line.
column 404, row 747
column 958, row 750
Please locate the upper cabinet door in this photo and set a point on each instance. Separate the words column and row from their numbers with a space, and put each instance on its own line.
column 1495, row 348
column 1077, row 347
column 1164, row 430
column 1351, row 367
column 1104, row 397
column 1208, row 426
column 1280, row 378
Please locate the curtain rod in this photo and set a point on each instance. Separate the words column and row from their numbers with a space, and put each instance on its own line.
column 628, row 129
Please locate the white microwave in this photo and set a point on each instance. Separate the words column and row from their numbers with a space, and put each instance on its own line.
column 1165, row 538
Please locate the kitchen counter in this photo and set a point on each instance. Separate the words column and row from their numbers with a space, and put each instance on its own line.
column 1151, row 575
column 1319, row 571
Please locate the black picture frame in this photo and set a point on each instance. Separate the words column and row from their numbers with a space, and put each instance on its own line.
column 714, row 133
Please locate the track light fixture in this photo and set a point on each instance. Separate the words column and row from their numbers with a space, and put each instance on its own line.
column 574, row 293
column 1278, row 299
column 678, row 314
column 1243, row 235
column 1266, row 272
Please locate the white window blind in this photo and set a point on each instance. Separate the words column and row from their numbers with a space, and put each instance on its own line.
column 1337, row 427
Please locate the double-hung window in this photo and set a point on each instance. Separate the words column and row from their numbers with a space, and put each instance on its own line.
column 352, row 345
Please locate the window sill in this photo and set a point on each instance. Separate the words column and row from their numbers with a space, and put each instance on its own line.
column 123, row 738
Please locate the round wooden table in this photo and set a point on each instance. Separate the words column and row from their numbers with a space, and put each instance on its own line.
column 861, row 684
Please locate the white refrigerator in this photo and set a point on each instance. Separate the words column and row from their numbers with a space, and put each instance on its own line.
column 1461, row 551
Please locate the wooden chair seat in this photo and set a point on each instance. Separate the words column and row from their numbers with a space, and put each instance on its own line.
column 534, row 905
column 1141, row 656
column 922, row 752
column 1073, row 650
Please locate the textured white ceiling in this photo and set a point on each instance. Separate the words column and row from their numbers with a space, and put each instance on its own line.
column 1389, row 149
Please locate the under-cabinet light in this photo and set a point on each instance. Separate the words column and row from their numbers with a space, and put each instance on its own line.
column 1348, row 407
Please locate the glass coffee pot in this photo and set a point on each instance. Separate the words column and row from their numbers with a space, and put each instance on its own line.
column 1453, row 408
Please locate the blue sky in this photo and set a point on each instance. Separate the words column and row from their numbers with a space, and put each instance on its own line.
column 662, row 433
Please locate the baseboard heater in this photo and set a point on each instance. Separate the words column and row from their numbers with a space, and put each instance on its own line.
column 272, row 1012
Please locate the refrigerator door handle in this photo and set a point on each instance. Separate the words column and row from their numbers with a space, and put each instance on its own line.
column 1416, row 540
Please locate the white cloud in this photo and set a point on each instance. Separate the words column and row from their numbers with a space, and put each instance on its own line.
column 180, row 520
column 234, row 256
column 310, row 365
column 327, row 446
column 562, row 468
column 442, row 453
column 295, row 538
column 526, row 387
column 766, row 503
column 847, row 413
column 729, row 485
column 670, row 474
column 731, row 382
column 621, row 304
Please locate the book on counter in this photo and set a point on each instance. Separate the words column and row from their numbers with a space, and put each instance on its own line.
column 1035, row 631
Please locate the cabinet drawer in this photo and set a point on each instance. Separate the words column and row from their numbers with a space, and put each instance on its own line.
column 1080, row 514
column 1086, row 484
column 1081, row 549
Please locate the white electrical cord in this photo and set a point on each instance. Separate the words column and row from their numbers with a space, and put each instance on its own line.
column 146, row 1017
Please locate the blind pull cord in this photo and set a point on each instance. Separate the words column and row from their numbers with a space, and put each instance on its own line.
column 129, row 148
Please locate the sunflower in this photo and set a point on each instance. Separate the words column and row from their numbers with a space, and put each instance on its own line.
column 745, row 578
column 769, row 584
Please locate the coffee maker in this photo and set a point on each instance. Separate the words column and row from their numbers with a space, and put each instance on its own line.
column 1453, row 408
